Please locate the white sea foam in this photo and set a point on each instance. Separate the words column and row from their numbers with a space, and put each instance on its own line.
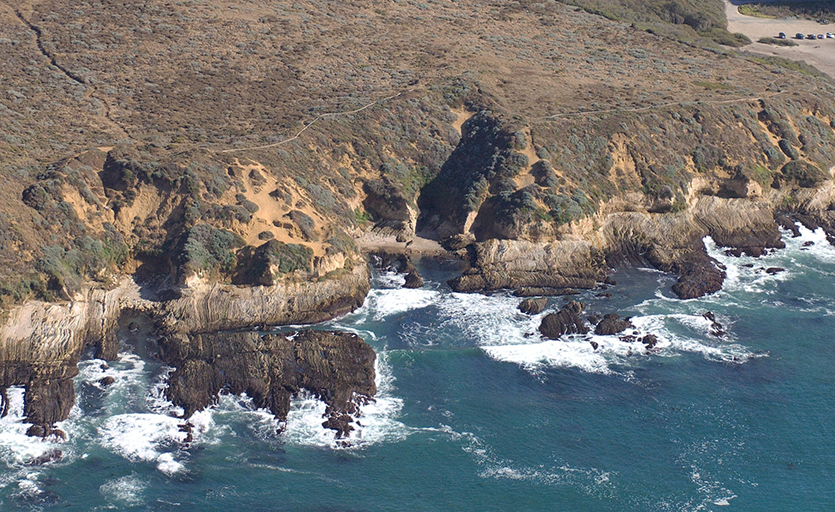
column 144, row 437
column 676, row 333
column 591, row 480
column 15, row 446
column 155, row 399
column 567, row 352
column 376, row 422
column 487, row 320
column 387, row 302
column 125, row 491
column 747, row 274
column 389, row 280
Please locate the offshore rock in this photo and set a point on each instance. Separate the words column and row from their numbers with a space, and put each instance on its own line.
column 649, row 340
column 699, row 275
column 548, row 292
column 612, row 324
column 337, row 367
column 398, row 262
column 533, row 306
column 566, row 321
column 716, row 328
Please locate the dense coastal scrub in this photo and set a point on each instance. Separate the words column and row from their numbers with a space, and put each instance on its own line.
column 224, row 189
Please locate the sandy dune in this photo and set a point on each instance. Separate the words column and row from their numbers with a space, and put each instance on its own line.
column 818, row 53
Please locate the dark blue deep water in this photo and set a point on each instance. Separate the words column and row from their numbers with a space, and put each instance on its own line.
column 477, row 413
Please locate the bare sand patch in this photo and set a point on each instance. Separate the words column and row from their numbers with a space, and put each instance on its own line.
column 370, row 242
column 461, row 116
column 819, row 53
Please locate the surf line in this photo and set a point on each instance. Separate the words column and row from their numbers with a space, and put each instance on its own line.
column 308, row 125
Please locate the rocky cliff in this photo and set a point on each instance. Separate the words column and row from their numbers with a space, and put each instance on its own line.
column 230, row 184
column 41, row 343
column 336, row 367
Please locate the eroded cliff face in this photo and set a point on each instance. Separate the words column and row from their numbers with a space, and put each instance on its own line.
column 338, row 367
column 235, row 197
column 549, row 210
column 672, row 242
column 40, row 346
column 41, row 343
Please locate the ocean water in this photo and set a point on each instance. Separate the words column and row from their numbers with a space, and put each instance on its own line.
column 477, row 413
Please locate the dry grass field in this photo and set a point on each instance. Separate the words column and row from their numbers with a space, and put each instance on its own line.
column 175, row 93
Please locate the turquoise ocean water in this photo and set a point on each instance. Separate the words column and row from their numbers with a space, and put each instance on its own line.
column 477, row 413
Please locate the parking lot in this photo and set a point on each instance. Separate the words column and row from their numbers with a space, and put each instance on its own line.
column 817, row 52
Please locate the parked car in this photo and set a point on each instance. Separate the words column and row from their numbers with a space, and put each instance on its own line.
column 811, row 36
column 781, row 35
column 830, row 35
column 821, row 36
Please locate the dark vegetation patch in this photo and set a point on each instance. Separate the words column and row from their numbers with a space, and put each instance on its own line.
column 263, row 265
column 816, row 10
column 776, row 41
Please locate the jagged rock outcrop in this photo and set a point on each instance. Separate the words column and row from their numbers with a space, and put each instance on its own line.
column 649, row 341
column 565, row 321
column 398, row 262
column 498, row 264
column 337, row 367
column 41, row 343
column 533, row 306
column 612, row 324
column 716, row 328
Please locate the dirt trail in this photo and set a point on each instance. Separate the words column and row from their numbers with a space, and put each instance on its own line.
column 308, row 125
column 819, row 53
column 90, row 94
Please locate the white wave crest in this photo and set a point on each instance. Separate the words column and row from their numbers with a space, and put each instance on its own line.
column 387, row 302
column 126, row 491
column 144, row 437
column 376, row 422
column 16, row 447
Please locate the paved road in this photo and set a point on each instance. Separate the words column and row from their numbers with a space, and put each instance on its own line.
column 818, row 53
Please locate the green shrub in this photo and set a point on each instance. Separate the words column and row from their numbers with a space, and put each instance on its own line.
column 564, row 209
column 306, row 224
column 789, row 150
column 726, row 38
column 776, row 42
column 255, row 267
column 209, row 249
column 803, row 173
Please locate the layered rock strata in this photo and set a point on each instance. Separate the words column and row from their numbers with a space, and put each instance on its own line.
column 41, row 343
column 672, row 242
column 337, row 367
